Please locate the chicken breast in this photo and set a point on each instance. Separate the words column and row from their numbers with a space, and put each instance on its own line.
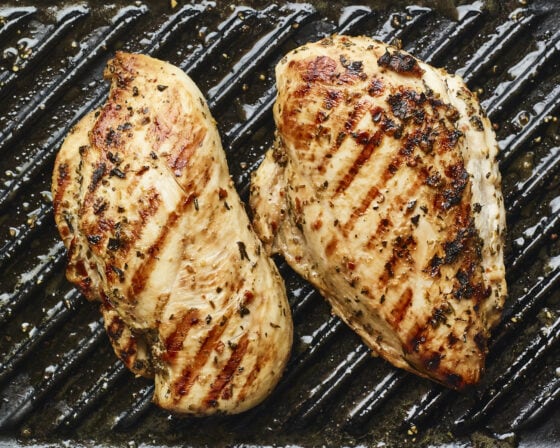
column 155, row 230
column 383, row 191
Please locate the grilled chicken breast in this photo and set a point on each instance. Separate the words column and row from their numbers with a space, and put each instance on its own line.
column 156, row 231
column 383, row 191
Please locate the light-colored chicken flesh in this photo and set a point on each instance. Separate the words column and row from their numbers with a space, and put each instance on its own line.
column 156, row 231
column 382, row 189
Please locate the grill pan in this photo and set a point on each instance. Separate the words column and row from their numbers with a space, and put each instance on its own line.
column 60, row 382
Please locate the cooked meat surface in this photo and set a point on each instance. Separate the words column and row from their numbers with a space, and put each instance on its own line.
column 155, row 230
column 383, row 191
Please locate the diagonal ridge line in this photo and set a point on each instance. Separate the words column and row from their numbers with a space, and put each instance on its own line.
column 531, row 65
column 469, row 15
column 91, row 396
column 541, row 406
column 531, row 356
column 362, row 412
column 524, row 190
column 390, row 33
column 39, row 103
column 67, row 363
column 230, row 28
column 325, row 391
column 66, row 19
column 30, row 282
column 136, row 410
column 504, row 36
column 15, row 17
column 511, row 145
column 250, row 59
column 175, row 23
column 54, row 318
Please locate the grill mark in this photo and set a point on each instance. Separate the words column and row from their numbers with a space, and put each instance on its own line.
column 400, row 251
column 162, row 300
column 320, row 69
column 252, row 376
column 89, row 192
column 350, row 124
column 138, row 282
column 193, row 140
column 332, row 100
column 425, row 359
column 372, row 193
column 141, row 275
column 362, row 158
column 174, row 341
column 219, row 386
column 151, row 202
column 398, row 201
column 401, row 63
column 400, row 254
column 469, row 282
column 160, row 130
column 417, row 336
column 184, row 383
column 392, row 169
column 106, row 133
column 401, row 307
column 382, row 227
column 133, row 230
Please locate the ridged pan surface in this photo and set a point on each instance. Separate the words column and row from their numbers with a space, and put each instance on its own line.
column 59, row 379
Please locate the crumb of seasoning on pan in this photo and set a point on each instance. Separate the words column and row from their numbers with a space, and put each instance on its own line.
column 173, row 3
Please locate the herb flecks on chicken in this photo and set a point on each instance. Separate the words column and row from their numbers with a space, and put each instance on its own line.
column 382, row 189
column 155, row 231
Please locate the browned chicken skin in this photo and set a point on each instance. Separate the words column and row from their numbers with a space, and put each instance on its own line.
column 383, row 191
column 156, row 231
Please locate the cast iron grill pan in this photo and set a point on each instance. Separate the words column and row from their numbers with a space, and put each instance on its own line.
column 59, row 379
